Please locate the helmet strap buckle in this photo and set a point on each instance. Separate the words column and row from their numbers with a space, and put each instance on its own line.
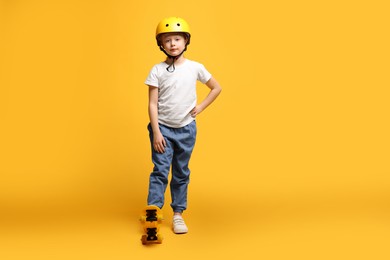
column 171, row 68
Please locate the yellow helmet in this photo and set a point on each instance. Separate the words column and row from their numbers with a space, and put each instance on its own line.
column 173, row 24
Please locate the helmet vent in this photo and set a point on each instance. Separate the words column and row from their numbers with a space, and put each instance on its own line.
column 167, row 25
column 178, row 24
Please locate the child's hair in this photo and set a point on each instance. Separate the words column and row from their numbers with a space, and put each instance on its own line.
column 185, row 35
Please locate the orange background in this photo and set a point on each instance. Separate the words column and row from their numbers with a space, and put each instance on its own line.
column 291, row 162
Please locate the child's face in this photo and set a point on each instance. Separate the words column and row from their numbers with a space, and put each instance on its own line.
column 173, row 43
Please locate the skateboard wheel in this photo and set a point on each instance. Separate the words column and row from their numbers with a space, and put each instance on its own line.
column 159, row 238
column 156, row 240
column 143, row 240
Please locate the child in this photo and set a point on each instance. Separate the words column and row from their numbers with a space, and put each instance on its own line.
column 172, row 111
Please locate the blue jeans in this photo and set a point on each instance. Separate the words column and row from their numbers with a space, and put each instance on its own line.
column 179, row 145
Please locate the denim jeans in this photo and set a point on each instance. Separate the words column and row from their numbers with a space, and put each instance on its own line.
column 179, row 145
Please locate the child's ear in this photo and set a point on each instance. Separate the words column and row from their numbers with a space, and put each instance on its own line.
column 185, row 37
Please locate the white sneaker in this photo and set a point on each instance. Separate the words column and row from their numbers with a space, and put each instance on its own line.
column 179, row 226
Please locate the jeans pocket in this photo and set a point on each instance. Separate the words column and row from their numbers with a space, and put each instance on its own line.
column 193, row 129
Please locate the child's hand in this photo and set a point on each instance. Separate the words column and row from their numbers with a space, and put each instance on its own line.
column 195, row 111
column 159, row 143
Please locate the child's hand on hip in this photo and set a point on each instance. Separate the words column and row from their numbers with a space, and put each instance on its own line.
column 195, row 111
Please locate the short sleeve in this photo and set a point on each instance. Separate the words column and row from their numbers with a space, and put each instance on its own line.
column 203, row 74
column 152, row 79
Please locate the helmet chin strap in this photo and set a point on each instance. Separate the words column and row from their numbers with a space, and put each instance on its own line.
column 171, row 67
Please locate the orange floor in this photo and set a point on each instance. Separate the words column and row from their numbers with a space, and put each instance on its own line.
column 284, row 228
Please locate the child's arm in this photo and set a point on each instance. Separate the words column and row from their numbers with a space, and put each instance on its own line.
column 158, row 139
column 215, row 89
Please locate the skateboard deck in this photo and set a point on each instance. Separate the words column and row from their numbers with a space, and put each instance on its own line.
column 151, row 219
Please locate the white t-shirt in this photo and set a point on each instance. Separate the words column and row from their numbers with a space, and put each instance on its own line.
column 177, row 91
